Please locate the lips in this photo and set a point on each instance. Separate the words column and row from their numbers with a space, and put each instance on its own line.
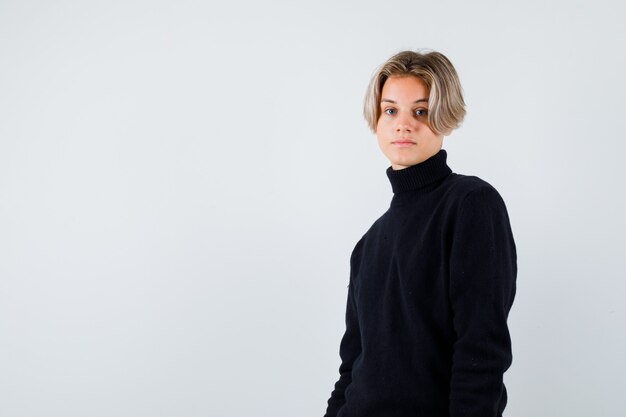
column 403, row 142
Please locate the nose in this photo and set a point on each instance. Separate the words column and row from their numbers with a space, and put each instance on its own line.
column 404, row 123
column 403, row 128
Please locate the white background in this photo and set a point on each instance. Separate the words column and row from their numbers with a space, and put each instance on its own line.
column 182, row 184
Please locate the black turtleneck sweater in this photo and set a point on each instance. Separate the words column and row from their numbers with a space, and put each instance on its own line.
column 431, row 285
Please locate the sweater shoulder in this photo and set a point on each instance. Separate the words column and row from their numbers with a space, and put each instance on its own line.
column 462, row 186
column 473, row 195
column 466, row 184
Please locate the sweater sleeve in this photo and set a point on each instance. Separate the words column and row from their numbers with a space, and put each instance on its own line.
column 483, row 271
column 350, row 346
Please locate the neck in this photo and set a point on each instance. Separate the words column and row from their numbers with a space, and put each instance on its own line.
column 419, row 175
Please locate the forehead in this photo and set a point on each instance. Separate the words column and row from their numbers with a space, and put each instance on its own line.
column 404, row 88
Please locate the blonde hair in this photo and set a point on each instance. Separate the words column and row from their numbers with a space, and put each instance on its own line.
column 446, row 107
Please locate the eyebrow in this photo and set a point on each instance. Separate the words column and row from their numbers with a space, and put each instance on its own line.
column 416, row 101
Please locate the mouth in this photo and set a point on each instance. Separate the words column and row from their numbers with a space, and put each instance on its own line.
column 403, row 142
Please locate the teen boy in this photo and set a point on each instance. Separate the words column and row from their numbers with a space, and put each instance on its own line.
column 433, row 279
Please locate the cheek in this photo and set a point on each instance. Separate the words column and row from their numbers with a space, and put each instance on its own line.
column 380, row 135
column 379, row 129
column 381, row 126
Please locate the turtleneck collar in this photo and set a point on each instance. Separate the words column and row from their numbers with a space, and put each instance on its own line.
column 419, row 175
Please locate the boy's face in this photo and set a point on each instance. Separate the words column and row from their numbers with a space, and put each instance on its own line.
column 403, row 132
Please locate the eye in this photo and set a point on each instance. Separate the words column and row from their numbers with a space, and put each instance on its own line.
column 388, row 110
column 421, row 112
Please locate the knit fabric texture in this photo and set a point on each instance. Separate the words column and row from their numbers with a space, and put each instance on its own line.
column 431, row 285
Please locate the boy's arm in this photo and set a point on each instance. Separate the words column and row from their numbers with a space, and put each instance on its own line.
column 483, row 270
column 349, row 348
